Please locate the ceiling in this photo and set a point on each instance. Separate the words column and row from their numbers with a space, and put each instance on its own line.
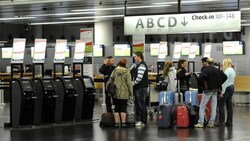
column 37, row 12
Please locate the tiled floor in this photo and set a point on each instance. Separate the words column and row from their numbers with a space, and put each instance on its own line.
column 90, row 131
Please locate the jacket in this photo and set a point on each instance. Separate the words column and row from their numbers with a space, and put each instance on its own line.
column 184, row 80
column 170, row 79
column 106, row 70
column 122, row 80
column 211, row 78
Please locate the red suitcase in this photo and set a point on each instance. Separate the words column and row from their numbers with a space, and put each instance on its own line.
column 182, row 116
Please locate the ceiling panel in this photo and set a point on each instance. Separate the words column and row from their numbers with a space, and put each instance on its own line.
column 54, row 10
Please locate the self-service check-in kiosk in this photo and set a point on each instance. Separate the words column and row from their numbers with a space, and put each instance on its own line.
column 88, row 98
column 66, row 101
column 22, row 102
column 46, row 100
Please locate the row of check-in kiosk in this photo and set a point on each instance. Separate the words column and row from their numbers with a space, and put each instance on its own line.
column 47, row 100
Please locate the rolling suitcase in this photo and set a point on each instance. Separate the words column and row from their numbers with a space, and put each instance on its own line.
column 191, row 96
column 178, row 96
column 182, row 116
column 164, row 114
column 166, row 97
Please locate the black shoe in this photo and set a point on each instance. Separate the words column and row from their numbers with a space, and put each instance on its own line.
column 221, row 124
column 116, row 125
column 124, row 125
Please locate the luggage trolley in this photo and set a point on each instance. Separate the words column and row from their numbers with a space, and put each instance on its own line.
column 153, row 100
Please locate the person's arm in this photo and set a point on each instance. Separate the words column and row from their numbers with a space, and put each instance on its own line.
column 102, row 69
column 141, row 70
column 225, row 84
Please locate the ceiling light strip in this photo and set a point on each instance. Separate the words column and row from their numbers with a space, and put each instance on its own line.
column 65, row 22
column 93, row 17
column 16, row 18
column 62, row 14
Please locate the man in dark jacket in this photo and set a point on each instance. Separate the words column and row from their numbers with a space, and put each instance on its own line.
column 106, row 69
column 211, row 79
column 140, row 83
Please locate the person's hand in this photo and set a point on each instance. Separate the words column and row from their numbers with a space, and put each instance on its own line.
column 106, row 61
column 221, row 95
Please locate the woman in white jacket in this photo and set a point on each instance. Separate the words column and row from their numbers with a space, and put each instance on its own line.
column 169, row 74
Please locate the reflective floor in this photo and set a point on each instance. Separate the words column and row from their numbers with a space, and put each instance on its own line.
column 90, row 131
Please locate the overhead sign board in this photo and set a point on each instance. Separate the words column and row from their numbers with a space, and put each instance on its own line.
column 229, row 21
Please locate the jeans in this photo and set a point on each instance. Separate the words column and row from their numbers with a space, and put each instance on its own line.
column 227, row 98
column 140, row 104
column 205, row 98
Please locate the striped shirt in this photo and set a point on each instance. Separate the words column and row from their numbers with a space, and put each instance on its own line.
column 141, row 71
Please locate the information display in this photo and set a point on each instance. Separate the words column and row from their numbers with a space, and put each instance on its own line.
column 163, row 51
column 122, row 50
column 207, row 50
column 79, row 51
column 154, row 49
column 177, row 51
column 6, row 52
column 186, row 47
column 60, row 49
column 233, row 47
column 98, row 51
column 39, row 50
column 18, row 50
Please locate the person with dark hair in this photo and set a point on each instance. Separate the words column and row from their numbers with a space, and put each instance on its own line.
column 122, row 78
column 204, row 62
column 169, row 74
column 140, row 82
column 211, row 78
column 106, row 69
column 183, row 76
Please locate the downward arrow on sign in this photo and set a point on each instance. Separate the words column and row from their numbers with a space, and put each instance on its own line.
column 184, row 23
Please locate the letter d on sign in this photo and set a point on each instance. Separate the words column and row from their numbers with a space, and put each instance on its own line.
column 172, row 21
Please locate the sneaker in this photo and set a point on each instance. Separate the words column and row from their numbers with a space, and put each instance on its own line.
column 198, row 125
column 138, row 123
column 124, row 125
column 210, row 125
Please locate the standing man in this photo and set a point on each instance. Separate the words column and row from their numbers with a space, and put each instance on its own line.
column 106, row 69
column 140, row 82
column 210, row 77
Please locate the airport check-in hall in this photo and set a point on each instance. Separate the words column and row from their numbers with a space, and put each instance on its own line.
column 124, row 70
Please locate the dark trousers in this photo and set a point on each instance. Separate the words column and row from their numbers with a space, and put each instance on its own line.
column 108, row 101
column 140, row 105
column 227, row 99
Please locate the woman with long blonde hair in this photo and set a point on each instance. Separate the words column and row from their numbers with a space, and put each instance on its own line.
column 227, row 93
column 169, row 74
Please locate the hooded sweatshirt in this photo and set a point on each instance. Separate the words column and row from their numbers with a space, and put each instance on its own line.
column 122, row 80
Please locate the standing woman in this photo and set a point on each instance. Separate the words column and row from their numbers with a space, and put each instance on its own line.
column 227, row 93
column 122, row 79
column 169, row 74
column 183, row 76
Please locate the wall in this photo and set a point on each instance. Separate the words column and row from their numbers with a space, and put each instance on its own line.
column 70, row 32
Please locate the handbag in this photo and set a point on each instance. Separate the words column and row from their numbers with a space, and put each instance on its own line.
column 112, row 86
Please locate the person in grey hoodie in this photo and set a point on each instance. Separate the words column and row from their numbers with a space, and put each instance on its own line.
column 169, row 75
column 122, row 79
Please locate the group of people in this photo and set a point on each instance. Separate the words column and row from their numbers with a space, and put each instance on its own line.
column 214, row 84
column 128, row 85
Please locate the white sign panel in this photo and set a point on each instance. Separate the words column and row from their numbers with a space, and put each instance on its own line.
column 229, row 21
column 192, row 51
column 163, row 50
column 79, row 51
column 60, row 49
column 39, row 51
column 177, row 51
column 18, row 50
column 207, row 50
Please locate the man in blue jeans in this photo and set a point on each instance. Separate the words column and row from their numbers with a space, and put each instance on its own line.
column 140, row 82
column 211, row 79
